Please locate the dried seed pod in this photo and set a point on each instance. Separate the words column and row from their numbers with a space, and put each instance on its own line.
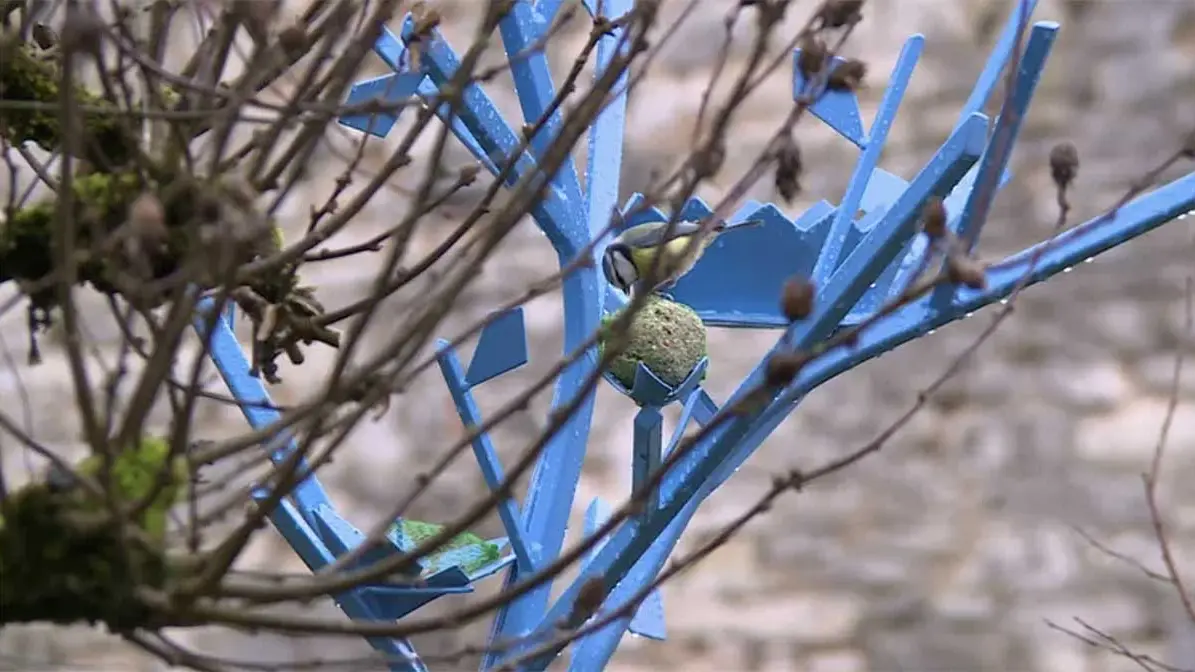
column 1064, row 163
column 812, row 57
column 43, row 35
column 788, row 170
column 782, row 368
column 589, row 600
column 933, row 218
column 708, row 160
column 838, row 13
column 797, row 298
column 468, row 174
column 292, row 39
column 848, row 76
column 967, row 272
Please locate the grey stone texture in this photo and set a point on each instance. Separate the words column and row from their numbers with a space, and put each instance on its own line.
column 947, row 551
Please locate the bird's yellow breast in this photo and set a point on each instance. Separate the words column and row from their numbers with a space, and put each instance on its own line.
column 678, row 256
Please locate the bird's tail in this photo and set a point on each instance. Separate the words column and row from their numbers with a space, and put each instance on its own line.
column 724, row 226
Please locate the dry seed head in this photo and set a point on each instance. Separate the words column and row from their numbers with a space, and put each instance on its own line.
column 848, row 76
column 797, row 298
column 788, row 169
column 813, row 56
column 967, row 272
column 933, row 218
column 1064, row 163
column 838, row 13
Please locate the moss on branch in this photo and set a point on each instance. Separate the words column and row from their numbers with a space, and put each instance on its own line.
column 26, row 76
column 64, row 559
column 26, row 238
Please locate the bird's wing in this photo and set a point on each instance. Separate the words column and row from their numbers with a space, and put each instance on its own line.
column 652, row 233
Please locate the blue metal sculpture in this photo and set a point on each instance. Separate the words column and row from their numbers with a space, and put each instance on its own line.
column 861, row 254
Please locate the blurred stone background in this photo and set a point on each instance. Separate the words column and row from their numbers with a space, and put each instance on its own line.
column 949, row 550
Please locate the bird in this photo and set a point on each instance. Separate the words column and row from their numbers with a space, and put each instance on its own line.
column 628, row 260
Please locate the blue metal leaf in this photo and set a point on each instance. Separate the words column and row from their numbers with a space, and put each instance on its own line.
column 839, row 109
column 501, row 348
column 392, row 89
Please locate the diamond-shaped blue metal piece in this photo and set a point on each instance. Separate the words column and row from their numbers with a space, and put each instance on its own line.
column 393, row 89
column 501, row 348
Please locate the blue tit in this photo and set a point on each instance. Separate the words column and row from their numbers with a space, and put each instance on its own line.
column 628, row 259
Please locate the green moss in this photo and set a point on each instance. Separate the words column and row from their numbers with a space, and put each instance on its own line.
column 26, row 238
column 63, row 561
column 24, row 76
column 278, row 238
column 667, row 337
column 484, row 552
column 135, row 475
column 418, row 532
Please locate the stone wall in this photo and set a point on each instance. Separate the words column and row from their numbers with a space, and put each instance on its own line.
column 950, row 549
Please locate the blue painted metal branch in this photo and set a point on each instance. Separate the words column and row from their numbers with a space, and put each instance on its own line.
column 293, row 522
column 554, row 482
column 521, row 28
column 1008, row 124
column 487, row 457
column 251, row 394
column 844, row 218
column 648, row 444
